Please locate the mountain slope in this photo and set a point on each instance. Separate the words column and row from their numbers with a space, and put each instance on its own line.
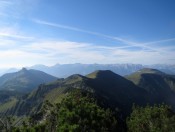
column 24, row 80
column 109, row 88
column 117, row 89
column 160, row 85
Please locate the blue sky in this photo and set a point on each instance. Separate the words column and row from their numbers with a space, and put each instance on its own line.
column 86, row 31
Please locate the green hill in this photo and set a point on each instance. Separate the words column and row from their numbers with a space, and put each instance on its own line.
column 24, row 80
column 160, row 85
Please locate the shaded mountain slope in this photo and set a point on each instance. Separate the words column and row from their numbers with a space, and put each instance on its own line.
column 160, row 85
column 53, row 92
column 6, row 95
column 117, row 89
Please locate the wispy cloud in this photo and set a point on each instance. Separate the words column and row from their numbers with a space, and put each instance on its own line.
column 14, row 36
column 5, row 3
column 82, row 30
column 18, row 49
column 159, row 41
column 90, row 53
column 10, row 32
column 5, row 7
column 143, row 45
column 17, row 8
column 49, row 52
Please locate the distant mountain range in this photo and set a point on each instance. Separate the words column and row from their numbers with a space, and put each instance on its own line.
column 65, row 70
column 24, row 80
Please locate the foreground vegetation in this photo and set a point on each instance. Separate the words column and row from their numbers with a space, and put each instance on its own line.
column 79, row 111
column 159, row 118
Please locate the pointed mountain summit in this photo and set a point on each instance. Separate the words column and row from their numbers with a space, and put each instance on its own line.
column 109, row 78
column 24, row 80
column 102, row 74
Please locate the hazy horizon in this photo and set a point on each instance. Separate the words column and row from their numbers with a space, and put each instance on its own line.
column 29, row 66
column 117, row 31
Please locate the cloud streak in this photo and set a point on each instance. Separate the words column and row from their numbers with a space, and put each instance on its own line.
column 18, row 50
column 15, row 36
column 145, row 45
column 8, row 33
column 83, row 31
